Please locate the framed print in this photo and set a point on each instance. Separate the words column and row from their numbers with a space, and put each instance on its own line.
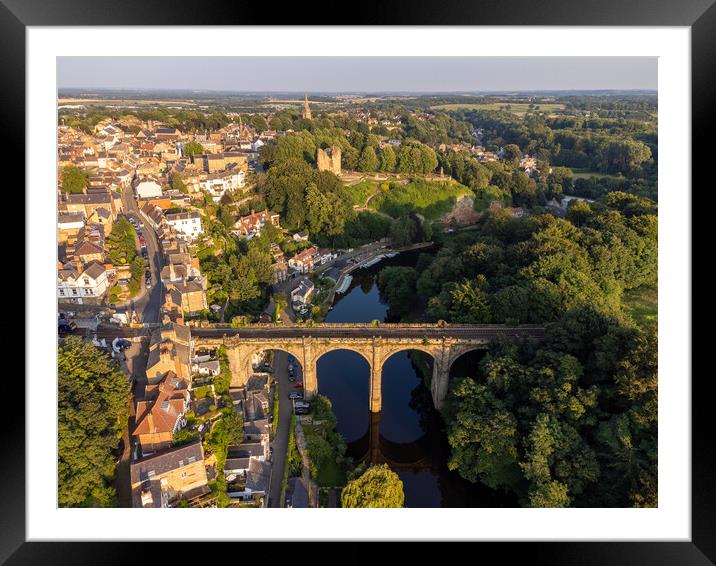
column 426, row 277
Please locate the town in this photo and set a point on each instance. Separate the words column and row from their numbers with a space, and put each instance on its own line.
column 174, row 224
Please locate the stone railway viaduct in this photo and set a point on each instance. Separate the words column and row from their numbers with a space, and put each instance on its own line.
column 445, row 343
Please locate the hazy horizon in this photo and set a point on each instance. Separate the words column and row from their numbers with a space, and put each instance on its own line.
column 332, row 75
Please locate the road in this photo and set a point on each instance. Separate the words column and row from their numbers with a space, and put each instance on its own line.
column 280, row 441
column 146, row 305
column 136, row 357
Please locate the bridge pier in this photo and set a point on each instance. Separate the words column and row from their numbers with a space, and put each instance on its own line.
column 239, row 364
column 439, row 384
column 308, row 364
column 376, row 377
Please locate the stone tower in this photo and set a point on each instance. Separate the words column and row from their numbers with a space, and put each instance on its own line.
column 306, row 109
column 329, row 159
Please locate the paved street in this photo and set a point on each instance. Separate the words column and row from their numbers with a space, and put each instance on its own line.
column 136, row 359
column 146, row 305
column 280, row 442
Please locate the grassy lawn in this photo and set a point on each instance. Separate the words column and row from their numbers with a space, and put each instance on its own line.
column 432, row 199
column 360, row 192
column 642, row 304
column 587, row 174
column 202, row 392
column 515, row 107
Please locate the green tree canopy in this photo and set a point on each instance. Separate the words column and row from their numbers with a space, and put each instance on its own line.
column 74, row 180
column 193, row 148
column 378, row 487
column 93, row 407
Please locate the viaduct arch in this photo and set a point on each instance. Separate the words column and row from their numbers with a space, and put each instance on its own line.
column 443, row 342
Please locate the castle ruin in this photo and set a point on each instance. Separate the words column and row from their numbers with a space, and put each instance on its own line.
column 329, row 159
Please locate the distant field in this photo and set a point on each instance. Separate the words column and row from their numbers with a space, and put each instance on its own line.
column 587, row 174
column 515, row 107
column 642, row 304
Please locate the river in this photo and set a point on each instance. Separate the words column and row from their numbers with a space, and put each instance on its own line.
column 408, row 433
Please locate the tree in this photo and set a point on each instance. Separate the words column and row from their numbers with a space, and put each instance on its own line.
column 93, row 408
column 482, row 433
column 74, row 180
column 512, row 154
column 259, row 122
column 387, row 159
column 397, row 286
column 402, row 231
column 470, row 301
column 378, row 487
column 368, row 160
column 178, row 184
column 193, row 148
column 280, row 303
column 234, row 426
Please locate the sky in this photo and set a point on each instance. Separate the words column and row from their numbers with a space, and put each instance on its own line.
column 358, row 74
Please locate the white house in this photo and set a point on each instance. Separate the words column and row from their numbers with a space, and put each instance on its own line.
column 148, row 188
column 187, row 224
column 216, row 184
column 74, row 285
column 303, row 291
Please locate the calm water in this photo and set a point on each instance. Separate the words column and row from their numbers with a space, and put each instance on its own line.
column 409, row 432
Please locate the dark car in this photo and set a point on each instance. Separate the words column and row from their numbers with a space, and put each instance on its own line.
column 144, row 253
column 64, row 326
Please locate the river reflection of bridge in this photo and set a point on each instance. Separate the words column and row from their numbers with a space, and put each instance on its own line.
column 374, row 448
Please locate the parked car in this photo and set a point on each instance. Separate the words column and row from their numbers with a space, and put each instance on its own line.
column 121, row 343
column 145, row 255
column 64, row 326
column 290, row 367
column 291, row 359
column 298, row 384
column 295, row 395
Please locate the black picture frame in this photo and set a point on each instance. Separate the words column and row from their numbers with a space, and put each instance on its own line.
column 699, row 15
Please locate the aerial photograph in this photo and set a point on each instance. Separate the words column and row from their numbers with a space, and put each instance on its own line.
column 368, row 282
